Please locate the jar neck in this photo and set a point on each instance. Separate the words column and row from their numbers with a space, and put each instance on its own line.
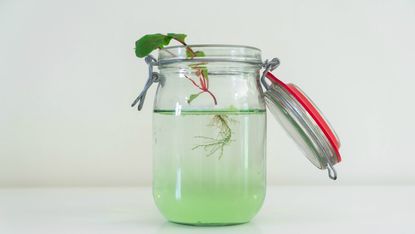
column 210, row 54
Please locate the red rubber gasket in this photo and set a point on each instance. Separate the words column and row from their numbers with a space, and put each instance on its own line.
column 312, row 110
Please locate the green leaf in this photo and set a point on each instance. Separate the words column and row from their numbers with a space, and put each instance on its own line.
column 198, row 53
column 178, row 36
column 146, row 44
column 204, row 72
column 189, row 53
column 167, row 40
column 150, row 42
column 192, row 97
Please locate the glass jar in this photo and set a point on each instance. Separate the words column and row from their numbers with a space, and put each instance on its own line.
column 209, row 135
column 209, row 131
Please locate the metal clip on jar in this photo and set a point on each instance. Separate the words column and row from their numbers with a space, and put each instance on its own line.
column 209, row 131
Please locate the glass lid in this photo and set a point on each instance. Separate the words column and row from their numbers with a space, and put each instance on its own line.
column 304, row 123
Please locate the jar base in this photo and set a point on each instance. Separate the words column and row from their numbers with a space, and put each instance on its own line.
column 202, row 224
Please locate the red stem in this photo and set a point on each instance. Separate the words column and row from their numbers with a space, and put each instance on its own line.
column 203, row 88
column 202, row 79
column 194, row 83
column 213, row 96
column 202, row 82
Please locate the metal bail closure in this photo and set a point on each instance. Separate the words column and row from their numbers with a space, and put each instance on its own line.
column 153, row 77
column 302, row 120
column 268, row 67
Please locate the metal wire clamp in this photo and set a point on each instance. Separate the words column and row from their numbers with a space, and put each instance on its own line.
column 153, row 77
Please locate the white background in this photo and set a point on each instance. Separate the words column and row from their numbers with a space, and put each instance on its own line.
column 68, row 74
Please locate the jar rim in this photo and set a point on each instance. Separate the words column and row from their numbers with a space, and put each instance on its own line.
column 212, row 45
column 211, row 53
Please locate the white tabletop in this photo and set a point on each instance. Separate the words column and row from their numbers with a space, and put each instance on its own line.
column 287, row 209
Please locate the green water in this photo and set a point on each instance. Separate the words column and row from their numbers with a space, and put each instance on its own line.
column 191, row 184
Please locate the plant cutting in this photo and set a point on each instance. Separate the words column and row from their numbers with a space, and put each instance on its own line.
column 150, row 42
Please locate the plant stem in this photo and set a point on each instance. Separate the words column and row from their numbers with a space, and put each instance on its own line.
column 204, row 82
column 194, row 83
column 213, row 96
column 221, row 121
column 187, row 47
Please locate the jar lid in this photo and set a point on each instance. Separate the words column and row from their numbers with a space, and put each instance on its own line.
column 303, row 121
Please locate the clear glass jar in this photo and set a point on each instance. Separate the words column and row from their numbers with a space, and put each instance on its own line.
column 209, row 135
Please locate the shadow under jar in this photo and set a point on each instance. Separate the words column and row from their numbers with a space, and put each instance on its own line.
column 209, row 134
